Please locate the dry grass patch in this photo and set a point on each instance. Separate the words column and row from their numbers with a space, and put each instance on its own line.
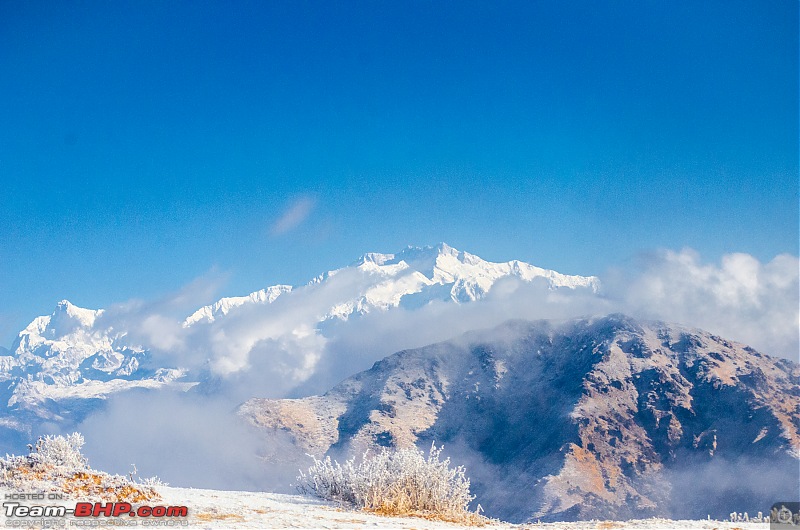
column 465, row 519
column 208, row 517
column 100, row 485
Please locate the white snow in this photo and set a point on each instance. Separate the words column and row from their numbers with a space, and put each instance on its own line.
column 237, row 509
column 211, row 509
column 73, row 353
column 223, row 306
column 384, row 281
column 37, row 391
column 68, row 354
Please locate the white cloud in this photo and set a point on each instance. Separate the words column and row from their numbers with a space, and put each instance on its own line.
column 294, row 216
column 187, row 440
column 271, row 348
column 157, row 323
column 740, row 298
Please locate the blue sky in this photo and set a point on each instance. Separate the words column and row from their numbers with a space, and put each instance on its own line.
column 146, row 144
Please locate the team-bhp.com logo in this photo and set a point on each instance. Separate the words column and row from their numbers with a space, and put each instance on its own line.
column 27, row 510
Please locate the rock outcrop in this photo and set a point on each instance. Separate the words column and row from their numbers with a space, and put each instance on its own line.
column 591, row 418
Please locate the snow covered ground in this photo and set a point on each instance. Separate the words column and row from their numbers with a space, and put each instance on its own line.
column 235, row 509
column 210, row 509
column 40, row 489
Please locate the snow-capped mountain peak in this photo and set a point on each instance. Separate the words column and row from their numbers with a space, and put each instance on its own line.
column 67, row 320
column 411, row 278
column 426, row 260
column 68, row 355
column 223, row 306
column 72, row 353
column 375, row 258
column 68, row 316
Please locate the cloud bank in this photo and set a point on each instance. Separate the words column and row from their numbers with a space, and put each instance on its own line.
column 740, row 298
column 186, row 440
column 271, row 349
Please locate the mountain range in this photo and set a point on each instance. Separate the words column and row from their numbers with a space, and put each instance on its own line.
column 63, row 365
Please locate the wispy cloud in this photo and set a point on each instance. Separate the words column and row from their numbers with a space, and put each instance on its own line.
column 294, row 216
column 158, row 323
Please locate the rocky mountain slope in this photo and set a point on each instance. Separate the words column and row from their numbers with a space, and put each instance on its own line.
column 591, row 418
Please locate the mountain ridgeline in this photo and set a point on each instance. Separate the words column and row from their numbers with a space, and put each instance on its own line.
column 65, row 365
column 590, row 418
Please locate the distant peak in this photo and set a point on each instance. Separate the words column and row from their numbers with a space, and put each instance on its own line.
column 412, row 254
column 440, row 248
column 66, row 309
column 374, row 257
column 425, row 259
column 444, row 248
column 428, row 251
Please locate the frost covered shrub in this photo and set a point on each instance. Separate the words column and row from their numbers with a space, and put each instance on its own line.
column 395, row 483
column 56, row 465
column 60, row 451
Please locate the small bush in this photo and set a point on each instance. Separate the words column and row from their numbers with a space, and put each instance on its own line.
column 56, row 465
column 61, row 451
column 401, row 482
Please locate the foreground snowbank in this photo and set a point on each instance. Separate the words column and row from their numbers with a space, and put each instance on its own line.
column 46, row 488
column 210, row 509
column 237, row 509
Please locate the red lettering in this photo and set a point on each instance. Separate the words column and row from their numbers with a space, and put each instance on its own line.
column 177, row 511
